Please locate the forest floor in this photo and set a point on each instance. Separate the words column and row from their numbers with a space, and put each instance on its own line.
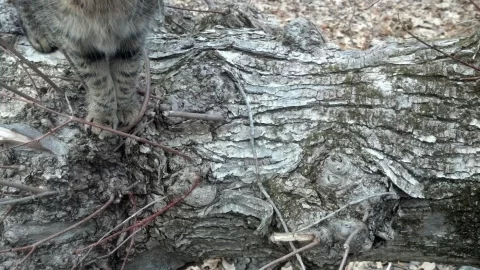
column 359, row 24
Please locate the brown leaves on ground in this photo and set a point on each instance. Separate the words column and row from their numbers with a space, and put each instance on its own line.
column 355, row 24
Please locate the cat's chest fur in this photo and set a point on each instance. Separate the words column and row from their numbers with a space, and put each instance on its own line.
column 103, row 28
column 104, row 40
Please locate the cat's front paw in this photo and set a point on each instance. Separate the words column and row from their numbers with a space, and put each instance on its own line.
column 42, row 44
column 127, row 112
column 106, row 119
column 38, row 40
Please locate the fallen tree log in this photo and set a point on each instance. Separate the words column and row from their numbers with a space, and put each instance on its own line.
column 392, row 133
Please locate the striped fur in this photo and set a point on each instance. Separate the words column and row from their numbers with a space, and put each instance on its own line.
column 104, row 39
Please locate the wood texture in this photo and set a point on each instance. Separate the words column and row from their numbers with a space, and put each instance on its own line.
column 330, row 127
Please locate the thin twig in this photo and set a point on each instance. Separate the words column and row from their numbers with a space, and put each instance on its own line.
column 199, row 116
column 346, row 246
column 129, row 249
column 132, row 242
column 440, row 51
column 370, row 6
column 37, row 140
column 25, row 69
column 475, row 4
column 257, row 167
column 31, row 79
column 476, row 51
column 289, row 237
column 128, row 188
column 13, row 167
column 29, row 64
column 54, row 77
column 147, row 220
column 23, row 187
column 133, row 133
column 123, row 134
column 17, row 265
column 295, row 252
column 471, row 79
column 130, row 237
column 196, row 10
column 112, row 230
column 284, row 225
column 28, row 198
column 16, row 92
column 343, row 207
column 69, row 105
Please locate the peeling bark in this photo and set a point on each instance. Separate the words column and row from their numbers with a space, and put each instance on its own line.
column 330, row 127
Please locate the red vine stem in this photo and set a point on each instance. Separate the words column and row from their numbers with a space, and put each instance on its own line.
column 144, row 222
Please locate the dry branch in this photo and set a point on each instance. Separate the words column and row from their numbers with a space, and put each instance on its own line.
column 23, row 187
column 346, row 246
column 289, row 255
column 30, row 65
column 28, row 198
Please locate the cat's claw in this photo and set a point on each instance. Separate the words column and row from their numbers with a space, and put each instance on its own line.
column 127, row 113
column 102, row 119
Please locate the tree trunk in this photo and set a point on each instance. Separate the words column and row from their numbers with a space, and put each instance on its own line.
column 331, row 127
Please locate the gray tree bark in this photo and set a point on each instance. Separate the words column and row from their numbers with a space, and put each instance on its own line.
column 331, row 127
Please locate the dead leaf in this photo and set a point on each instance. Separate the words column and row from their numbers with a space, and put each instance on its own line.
column 287, row 266
column 211, row 264
column 227, row 266
column 427, row 266
column 12, row 137
column 347, row 22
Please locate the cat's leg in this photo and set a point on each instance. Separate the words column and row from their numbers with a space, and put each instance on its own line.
column 92, row 66
column 125, row 66
column 33, row 25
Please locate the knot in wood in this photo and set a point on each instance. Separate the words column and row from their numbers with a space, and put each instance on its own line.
column 338, row 173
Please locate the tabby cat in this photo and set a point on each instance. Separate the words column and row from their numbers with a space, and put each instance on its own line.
column 104, row 39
